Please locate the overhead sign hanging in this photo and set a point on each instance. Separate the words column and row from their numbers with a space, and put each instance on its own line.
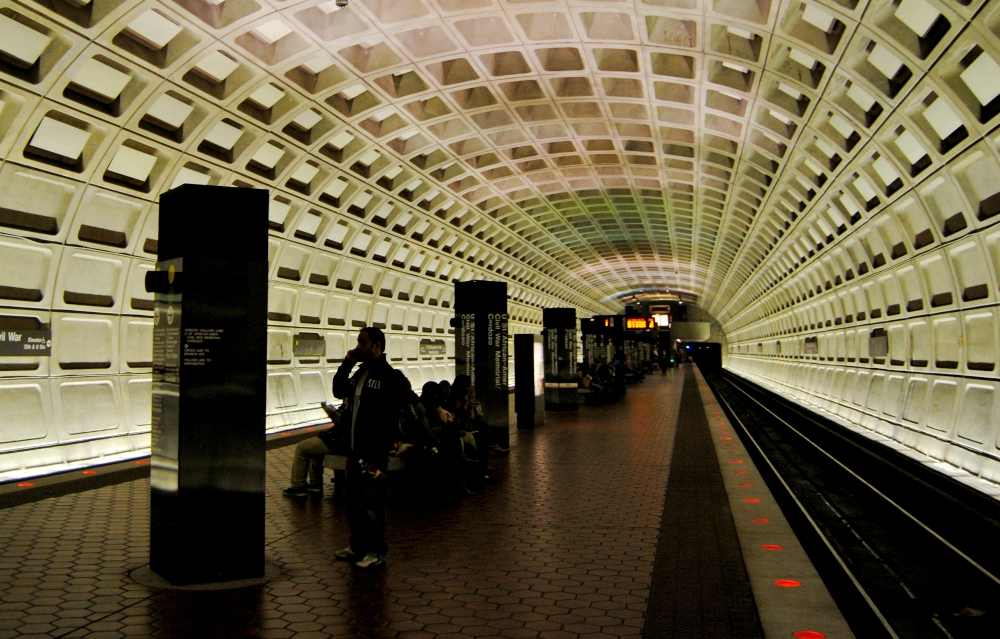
column 639, row 323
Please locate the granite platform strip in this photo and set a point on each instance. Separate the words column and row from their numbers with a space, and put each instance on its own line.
column 790, row 595
column 700, row 585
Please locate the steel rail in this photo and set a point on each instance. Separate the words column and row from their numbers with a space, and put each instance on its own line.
column 812, row 522
column 878, row 492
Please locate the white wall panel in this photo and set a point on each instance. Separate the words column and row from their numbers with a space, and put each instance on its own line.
column 281, row 392
column 87, row 406
column 281, row 302
column 314, row 389
column 136, row 349
column 108, row 221
column 37, row 204
column 337, row 345
column 27, row 272
column 136, row 300
column 84, row 343
column 279, row 346
column 27, row 415
column 137, row 392
column 90, row 281
column 311, row 307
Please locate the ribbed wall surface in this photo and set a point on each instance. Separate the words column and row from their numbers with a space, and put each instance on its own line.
column 821, row 176
column 879, row 301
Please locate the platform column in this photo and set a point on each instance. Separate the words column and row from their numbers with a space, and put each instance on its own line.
column 561, row 385
column 209, row 385
column 529, row 380
column 481, row 349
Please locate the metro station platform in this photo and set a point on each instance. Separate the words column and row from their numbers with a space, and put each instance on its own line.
column 641, row 518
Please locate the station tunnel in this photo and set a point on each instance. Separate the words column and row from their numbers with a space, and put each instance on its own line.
column 817, row 179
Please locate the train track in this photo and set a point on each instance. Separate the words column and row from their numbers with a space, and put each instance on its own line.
column 905, row 551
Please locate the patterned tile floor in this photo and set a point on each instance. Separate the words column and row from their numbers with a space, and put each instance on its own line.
column 561, row 544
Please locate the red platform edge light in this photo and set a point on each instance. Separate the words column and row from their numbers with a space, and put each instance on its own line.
column 90, row 472
column 761, row 521
column 787, row 583
column 726, row 439
column 735, row 461
column 142, row 462
column 772, row 547
column 752, row 500
column 808, row 634
column 25, row 484
column 746, row 485
column 741, row 472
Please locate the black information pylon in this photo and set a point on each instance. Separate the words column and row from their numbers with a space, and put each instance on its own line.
column 529, row 380
column 209, row 385
column 561, row 386
column 481, row 349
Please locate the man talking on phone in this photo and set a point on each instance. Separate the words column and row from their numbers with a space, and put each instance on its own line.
column 374, row 400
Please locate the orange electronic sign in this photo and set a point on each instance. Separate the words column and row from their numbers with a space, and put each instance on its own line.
column 639, row 323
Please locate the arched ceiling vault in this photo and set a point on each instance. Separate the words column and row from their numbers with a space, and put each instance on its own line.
column 608, row 145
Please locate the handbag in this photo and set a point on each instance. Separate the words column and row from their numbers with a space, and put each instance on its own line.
column 336, row 437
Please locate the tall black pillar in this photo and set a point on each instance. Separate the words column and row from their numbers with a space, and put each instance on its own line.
column 559, row 328
column 481, row 349
column 529, row 380
column 209, row 385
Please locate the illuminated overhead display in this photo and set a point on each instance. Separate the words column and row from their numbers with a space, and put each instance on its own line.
column 640, row 323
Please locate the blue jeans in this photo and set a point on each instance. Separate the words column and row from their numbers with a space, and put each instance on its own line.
column 365, row 498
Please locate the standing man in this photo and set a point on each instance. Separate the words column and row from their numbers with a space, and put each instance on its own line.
column 374, row 399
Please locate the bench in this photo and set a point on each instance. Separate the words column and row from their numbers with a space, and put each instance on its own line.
column 339, row 462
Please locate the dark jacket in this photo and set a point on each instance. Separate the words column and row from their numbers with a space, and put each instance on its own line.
column 377, row 411
column 414, row 424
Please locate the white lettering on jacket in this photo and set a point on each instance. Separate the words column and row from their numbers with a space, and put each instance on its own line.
column 374, row 383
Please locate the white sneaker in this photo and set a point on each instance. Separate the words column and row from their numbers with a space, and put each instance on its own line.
column 346, row 554
column 371, row 560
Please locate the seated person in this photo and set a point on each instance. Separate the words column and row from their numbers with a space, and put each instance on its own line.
column 469, row 415
column 309, row 454
column 456, row 403
column 586, row 380
column 442, row 423
column 415, row 433
column 427, row 407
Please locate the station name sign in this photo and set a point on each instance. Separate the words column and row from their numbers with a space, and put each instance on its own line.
column 18, row 343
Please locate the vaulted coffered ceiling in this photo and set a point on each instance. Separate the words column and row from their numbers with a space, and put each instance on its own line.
column 606, row 134
column 611, row 146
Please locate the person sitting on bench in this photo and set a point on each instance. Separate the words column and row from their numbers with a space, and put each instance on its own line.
column 415, row 434
column 309, row 454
